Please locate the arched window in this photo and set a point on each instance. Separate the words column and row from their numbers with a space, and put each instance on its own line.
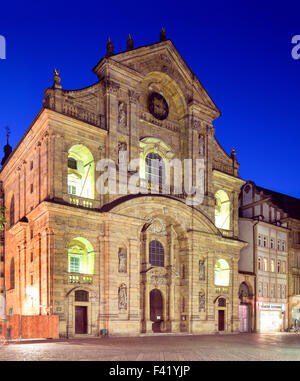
column 81, row 256
column 259, row 263
column 222, row 302
column 156, row 254
column 222, row 273
column 154, row 169
column 12, row 274
column 81, row 172
column 12, row 211
column 222, row 210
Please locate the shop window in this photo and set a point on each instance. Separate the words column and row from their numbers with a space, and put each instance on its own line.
column 222, row 273
column 222, row 210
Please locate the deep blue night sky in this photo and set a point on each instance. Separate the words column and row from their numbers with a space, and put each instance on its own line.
column 239, row 50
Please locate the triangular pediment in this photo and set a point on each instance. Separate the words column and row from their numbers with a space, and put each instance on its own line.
column 164, row 57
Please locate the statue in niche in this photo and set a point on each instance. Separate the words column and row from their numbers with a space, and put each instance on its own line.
column 122, row 150
column 202, row 269
column 201, row 145
column 122, row 260
column 122, row 114
column 201, row 301
column 122, row 297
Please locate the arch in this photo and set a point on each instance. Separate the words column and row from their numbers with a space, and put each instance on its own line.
column 245, row 290
column 12, row 274
column 81, row 256
column 222, row 210
column 156, row 253
column 170, row 88
column 222, row 273
column 81, row 172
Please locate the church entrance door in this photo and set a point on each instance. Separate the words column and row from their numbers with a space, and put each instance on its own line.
column 156, row 309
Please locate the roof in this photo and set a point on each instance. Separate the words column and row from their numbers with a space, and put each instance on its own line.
column 288, row 204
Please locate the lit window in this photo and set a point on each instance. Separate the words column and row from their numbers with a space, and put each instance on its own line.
column 265, row 264
column 81, row 256
column 81, row 172
column 272, row 265
column 222, row 273
column 284, row 267
column 222, row 210
column 156, row 253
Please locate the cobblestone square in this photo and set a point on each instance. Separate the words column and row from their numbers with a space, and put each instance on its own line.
column 237, row 347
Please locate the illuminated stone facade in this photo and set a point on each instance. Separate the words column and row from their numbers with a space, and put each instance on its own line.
column 128, row 264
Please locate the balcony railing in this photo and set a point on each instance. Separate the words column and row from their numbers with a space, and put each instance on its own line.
column 80, row 201
column 80, row 278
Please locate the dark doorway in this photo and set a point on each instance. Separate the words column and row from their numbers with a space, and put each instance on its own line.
column 80, row 319
column 156, row 309
column 221, row 321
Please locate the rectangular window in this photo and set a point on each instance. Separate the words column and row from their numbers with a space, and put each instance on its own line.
column 283, row 294
column 74, row 264
column 31, row 188
column 71, row 189
column 265, row 264
column 265, row 290
column 259, row 289
column 283, row 245
column 265, row 242
column 272, row 265
column 272, row 243
column 272, row 291
column 278, row 244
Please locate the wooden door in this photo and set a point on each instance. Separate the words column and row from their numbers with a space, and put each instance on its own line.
column 221, row 321
column 80, row 319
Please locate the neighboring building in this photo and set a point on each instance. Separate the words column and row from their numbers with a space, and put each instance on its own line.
column 263, row 225
column 124, row 263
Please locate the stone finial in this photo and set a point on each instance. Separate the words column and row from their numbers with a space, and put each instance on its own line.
column 56, row 80
column 129, row 43
column 163, row 35
column 233, row 154
column 109, row 48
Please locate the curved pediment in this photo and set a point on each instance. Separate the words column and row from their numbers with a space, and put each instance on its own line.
column 173, row 211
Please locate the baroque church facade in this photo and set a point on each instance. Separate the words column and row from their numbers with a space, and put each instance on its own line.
column 123, row 263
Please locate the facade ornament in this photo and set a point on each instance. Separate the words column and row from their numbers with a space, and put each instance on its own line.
column 157, row 226
column 122, row 114
column 56, row 80
column 202, row 269
column 122, row 295
column 133, row 96
column 110, row 86
column 163, row 36
column 129, row 43
column 109, row 48
column 201, row 145
column 122, row 260
column 201, row 301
